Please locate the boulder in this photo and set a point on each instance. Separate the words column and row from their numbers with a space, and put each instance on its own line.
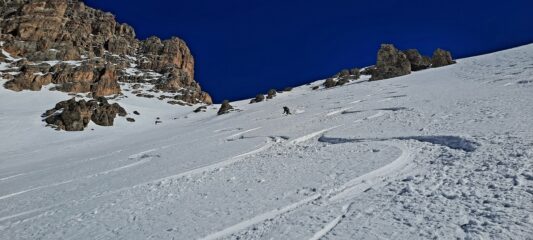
column 72, row 115
column 258, row 98
column 343, row 73
column 441, row 58
column 390, row 63
column 225, row 108
column 104, row 114
column 355, row 73
column 342, row 81
column 271, row 93
column 418, row 62
column 330, row 82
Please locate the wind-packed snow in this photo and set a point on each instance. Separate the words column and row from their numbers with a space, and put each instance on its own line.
column 443, row 153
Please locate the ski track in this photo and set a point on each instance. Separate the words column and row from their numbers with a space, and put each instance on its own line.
column 313, row 134
column 191, row 172
column 260, row 218
column 328, row 227
column 12, row 176
column 379, row 114
column 143, row 161
column 368, row 180
column 67, row 164
column 338, row 111
column 346, row 191
column 241, row 133
column 34, row 189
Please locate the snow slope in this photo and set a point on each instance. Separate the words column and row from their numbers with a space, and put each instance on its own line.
column 440, row 154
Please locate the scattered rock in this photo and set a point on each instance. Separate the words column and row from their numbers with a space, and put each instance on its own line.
column 315, row 87
column 390, row 63
column 287, row 89
column 136, row 113
column 130, row 119
column 225, row 108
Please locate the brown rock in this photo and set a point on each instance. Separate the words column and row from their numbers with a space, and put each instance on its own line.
column 30, row 78
column 47, row 30
column 75, row 116
column 107, row 83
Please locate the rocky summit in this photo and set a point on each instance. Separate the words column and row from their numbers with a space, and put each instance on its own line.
column 84, row 50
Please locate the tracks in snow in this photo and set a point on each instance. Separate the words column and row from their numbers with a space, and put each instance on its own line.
column 333, row 196
column 332, row 224
column 143, row 154
column 313, row 134
column 143, row 158
column 260, row 218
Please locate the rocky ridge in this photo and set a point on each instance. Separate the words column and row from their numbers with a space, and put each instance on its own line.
column 392, row 62
column 84, row 50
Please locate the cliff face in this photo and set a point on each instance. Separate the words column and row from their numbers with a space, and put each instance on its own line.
column 84, row 50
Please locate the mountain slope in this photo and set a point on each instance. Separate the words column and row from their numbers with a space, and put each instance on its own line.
column 441, row 153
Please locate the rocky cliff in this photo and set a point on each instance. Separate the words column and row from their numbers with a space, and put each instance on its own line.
column 84, row 50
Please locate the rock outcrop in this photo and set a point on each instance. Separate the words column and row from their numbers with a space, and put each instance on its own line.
column 441, row 58
column 85, row 50
column 390, row 63
column 72, row 115
column 418, row 62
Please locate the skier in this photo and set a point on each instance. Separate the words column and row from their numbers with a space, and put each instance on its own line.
column 286, row 110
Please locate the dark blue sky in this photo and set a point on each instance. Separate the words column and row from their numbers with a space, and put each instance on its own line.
column 244, row 47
